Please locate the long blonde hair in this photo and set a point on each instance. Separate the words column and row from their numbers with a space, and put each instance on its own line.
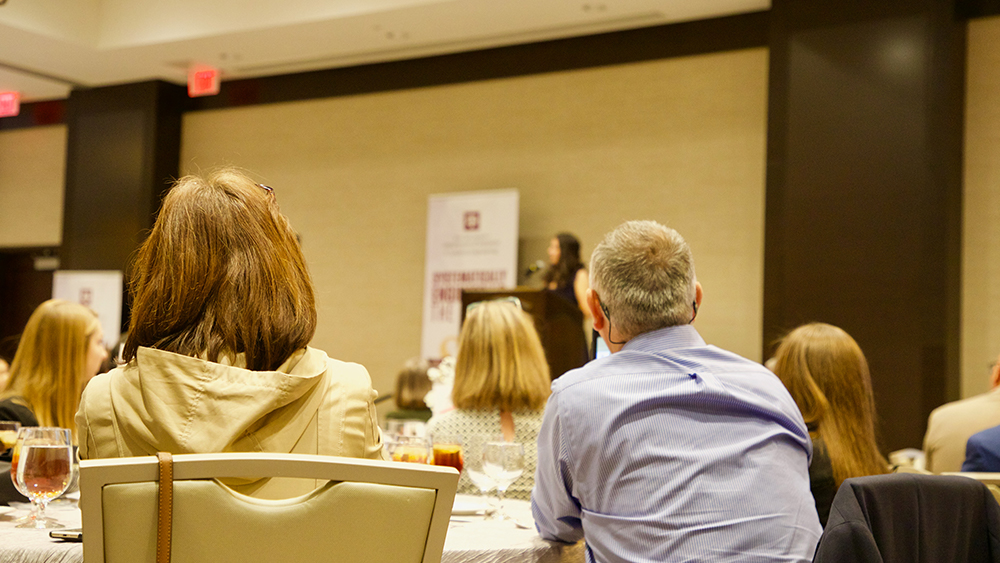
column 48, row 368
column 500, row 364
column 827, row 375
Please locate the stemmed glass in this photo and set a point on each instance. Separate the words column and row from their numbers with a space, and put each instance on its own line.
column 474, row 466
column 44, row 469
column 504, row 463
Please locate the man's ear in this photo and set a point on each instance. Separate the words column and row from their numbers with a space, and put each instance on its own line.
column 594, row 304
column 698, row 293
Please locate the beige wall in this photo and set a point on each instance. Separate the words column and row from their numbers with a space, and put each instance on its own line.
column 681, row 141
column 32, row 179
column 981, row 215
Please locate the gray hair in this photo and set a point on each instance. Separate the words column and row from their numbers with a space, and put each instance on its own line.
column 644, row 275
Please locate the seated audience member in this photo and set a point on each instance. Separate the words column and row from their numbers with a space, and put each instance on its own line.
column 827, row 375
column 982, row 452
column 411, row 385
column 950, row 426
column 4, row 373
column 60, row 351
column 669, row 449
column 217, row 356
column 501, row 383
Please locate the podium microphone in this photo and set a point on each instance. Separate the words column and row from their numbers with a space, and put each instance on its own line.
column 538, row 265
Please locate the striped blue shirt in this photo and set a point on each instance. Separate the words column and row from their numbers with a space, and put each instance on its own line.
column 673, row 450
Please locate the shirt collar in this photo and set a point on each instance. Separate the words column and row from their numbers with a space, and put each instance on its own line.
column 680, row 336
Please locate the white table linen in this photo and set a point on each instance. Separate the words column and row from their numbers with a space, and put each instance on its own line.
column 471, row 538
column 19, row 545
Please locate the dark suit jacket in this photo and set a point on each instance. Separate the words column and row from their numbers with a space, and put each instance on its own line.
column 911, row 518
column 982, row 451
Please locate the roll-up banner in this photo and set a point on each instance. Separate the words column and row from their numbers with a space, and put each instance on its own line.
column 101, row 290
column 471, row 244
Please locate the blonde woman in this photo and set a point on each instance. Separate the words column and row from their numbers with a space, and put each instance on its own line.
column 827, row 375
column 59, row 352
column 501, row 385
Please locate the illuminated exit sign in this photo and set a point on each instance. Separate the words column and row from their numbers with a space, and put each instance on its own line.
column 10, row 104
column 203, row 81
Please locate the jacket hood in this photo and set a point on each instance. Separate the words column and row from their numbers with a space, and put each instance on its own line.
column 185, row 404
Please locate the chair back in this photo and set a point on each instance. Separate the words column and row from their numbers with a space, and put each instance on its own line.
column 367, row 512
column 910, row 517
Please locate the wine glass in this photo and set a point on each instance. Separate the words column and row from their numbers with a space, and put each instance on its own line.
column 504, row 463
column 447, row 450
column 473, row 450
column 408, row 448
column 44, row 469
column 8, row 434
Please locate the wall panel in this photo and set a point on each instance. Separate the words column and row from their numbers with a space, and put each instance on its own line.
column 32, row 177
column 981, row 212
column 680, row 140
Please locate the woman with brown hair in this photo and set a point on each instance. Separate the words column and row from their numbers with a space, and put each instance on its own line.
column 217, row 355
column 60, row 351
column 566, row 274
column 412, row 384
column 827, row 375
column 501, row 386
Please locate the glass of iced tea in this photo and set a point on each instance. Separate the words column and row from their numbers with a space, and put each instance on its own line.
column 8, row 434
column 44, row 469
column 447, row 450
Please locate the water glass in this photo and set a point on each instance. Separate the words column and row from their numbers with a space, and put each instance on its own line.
column 44, row 469
column 504, row 463
column 473, row 450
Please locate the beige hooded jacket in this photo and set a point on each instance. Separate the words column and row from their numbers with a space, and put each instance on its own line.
column 163, row 401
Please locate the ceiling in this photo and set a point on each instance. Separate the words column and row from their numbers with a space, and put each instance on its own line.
column 48, row 47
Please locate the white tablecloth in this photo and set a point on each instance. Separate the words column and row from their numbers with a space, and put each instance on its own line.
column 474, row 539
column 19, row 545
column 471, row 539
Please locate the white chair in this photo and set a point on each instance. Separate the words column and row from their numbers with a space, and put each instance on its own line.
column 369, row 511
column 991, row 480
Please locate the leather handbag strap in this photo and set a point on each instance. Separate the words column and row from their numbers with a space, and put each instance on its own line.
column 165, row 507
column 507, row 426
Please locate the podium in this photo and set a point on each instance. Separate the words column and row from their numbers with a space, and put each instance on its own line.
column 559, row 324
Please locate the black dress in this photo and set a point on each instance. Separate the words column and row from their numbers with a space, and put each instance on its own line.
column 567, row 291
column 821, row 482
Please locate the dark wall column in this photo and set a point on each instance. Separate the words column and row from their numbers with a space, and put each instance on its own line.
column 864, row 190
column 123, row 151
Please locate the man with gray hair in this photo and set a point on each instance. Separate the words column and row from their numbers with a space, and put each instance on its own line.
column 670, row 449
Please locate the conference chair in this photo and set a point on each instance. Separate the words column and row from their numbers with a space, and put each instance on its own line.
column 369, row 511
column 991, row 480
column 911, row 517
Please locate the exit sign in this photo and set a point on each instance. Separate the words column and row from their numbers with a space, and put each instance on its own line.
column 203, row 81
column 10, row 104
